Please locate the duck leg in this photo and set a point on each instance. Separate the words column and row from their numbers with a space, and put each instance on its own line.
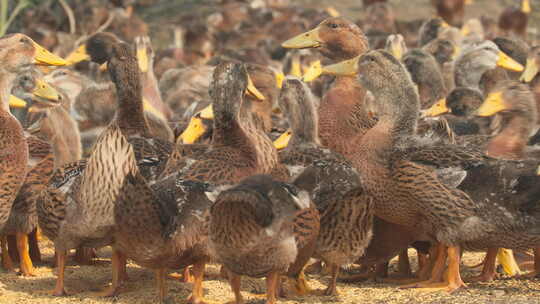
column 437, row 271
column 196, row 296
column 33, row 244
column 118, row 263
column 27, row 268
column 161, row 284
column 235, row 281
column 59, row 289
column 488, row 271
column 84, row 255
column 272, row 283
column 7, row 262
column 536, row 272
column 331, row 289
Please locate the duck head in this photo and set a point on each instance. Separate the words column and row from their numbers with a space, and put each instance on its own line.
column 19, row 50
column 336, row 38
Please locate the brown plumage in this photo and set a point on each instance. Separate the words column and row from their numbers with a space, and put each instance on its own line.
column 426, row 75
column 255, row 231
column 451, row 11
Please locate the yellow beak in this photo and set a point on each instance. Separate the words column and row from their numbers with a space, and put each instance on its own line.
column 103, row 67
column 492, row 105
column 508, row 63
column 194, row 131
column 78, row 55
column 207, row 113
column 279, row 79
column 283, row 140
column 437, row 109
column 332, row 11
column 509, row 264
column 45, row 91
column 295, row 67
column 396, row 50
column 44, row 57
column 142, row 58
column 308, row 39
column 468, row 2
column 526, row 6
column 253, row 91
column 16, row 102
column 465, row 30
column 313, row 71
column 531, row 69
column 456, row 52
column 148, row 107
column 344, row 68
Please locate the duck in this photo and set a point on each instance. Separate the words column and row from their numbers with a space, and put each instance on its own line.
column 514, row 19
column 239, row 149
column 530, row 74
column 445, row 52
column 452, row 11
column 22, row 219
column 13, row 144
column 451, row 232
column 430, row 30
column 342, row 110
column 332, row 182
column 267, row 239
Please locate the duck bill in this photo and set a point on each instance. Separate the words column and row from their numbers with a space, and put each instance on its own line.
column 531, row 69
column 332, row 11
column 44, row 57
column 439, row 108
column 344, row 68
column 142, row 58
column 397, row 50
column 45, row 91
column 16, row 102
column 508, row 262
column 148, row 107
column 194, row 131
column 78, row 55
column 508, row 63
column 253, row 91
column 305, row 40
column 207, row 113
column 469, row 2
column 493, row 104
column 313, row 71
column 296, row 69
column 465, row 30
column 456, row 52
column 526, row 6
column 283, row 140
column 279, row 79
column 103, row 67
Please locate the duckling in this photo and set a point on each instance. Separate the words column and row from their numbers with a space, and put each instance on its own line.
column 332, row 182
column 18, row 51
column 265, row 240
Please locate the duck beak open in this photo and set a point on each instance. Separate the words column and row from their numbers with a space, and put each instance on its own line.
column 253, row 91
column 78, row 55
column 283, row 140
column 46, row 93
column 313, row 71
column 196, row 127
column 44, row 57
column 493, row 104
column 508, row 262
column 142, row 57
column 439, row 108
column 16, row 102
column 531, row 69
column 508, row 63
column 309, row 39
column 344, row 68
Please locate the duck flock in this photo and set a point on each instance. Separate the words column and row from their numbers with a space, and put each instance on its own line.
column 273, row 140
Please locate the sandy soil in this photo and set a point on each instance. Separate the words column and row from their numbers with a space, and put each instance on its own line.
column 81, row 281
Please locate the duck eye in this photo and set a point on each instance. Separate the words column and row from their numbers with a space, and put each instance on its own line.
column 333, row 25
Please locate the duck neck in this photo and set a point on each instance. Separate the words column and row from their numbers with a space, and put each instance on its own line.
column 227, row 128
column 510, row 143
column 6, row 81
column 304, row 125
column 130, row 112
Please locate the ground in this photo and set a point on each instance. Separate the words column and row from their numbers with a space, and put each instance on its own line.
column 81, row 281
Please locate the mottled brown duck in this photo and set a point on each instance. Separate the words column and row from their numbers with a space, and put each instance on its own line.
column 254, row 231
column 346, row 211
column 436, row 209
column 426, row 75
column 342, row 113
column 18, row 51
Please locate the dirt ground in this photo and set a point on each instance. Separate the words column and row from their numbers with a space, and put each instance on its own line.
column 81, row 281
